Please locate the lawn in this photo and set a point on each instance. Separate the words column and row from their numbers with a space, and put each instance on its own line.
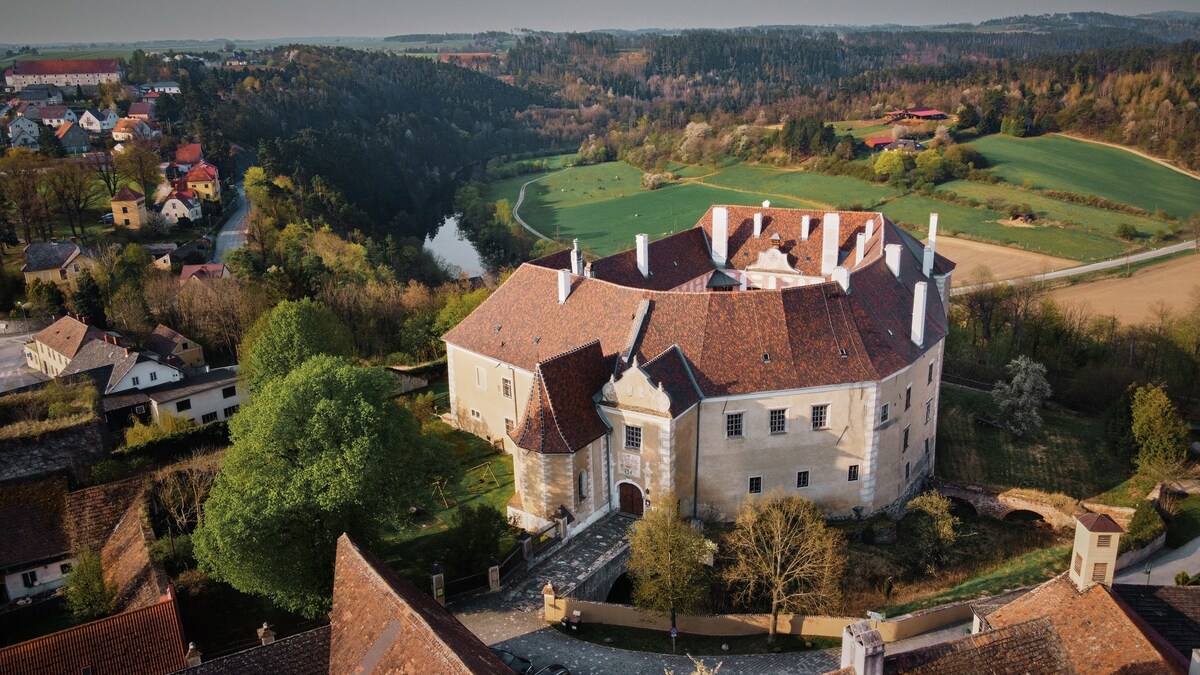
column 982, row 224
column 647, row 640
column 826, row 191
column 1088, row 217
column 862, row 128
column 1185, row 525
column 1027, row 570
column 1067, row 455
column 1060, row 163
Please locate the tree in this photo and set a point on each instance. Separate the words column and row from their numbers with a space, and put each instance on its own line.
column 930, row 164
column 783, row 550
column 475, row 532
column 666, row 561
column 87, row 301
column 1020, row 397
column 101, row 166
column 934, row 530
column 323, row 451
column 1160, row 433
column 288, row 335
column 23, row 186
column 75, row 192
column 49, row 143
column 138, row 163
column 44, row 297
column 88, row 595
column 181, row 489
column 890, row 164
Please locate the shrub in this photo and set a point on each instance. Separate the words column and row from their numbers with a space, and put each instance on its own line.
column 88, row 595
column 934, row 530
column 475, row 533
column 1144, row 528
column 1127, row 231
column 167, row 425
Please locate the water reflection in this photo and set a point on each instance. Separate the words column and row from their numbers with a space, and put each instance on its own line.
column 453, row 247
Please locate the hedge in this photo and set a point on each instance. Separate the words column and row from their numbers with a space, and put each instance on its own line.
column 180, row 444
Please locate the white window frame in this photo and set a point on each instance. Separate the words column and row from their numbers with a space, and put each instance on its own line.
column 475, row 414
column 807, row 479
column 885, row 411
column 630, row 431
column 136, row 380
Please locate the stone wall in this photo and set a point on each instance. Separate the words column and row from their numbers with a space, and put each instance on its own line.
column 73, row 450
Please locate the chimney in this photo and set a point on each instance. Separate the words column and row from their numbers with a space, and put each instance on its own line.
column 842, row 276
column 830, row 231
column 643, row 253
column 1194, row 666
column 1094, row 558
column 265, row 634
column 127, row 351
column 193, row 655
column 84, row 320
column 891, row 254
column 870, row 228
column 927, row 262
column 564, row 285
column 757, row 225
column 576, row 259
column 805, row 222
column 720, row 236
column 861, row 247
column 862, row 649
column 920, row 297
column 933, row 217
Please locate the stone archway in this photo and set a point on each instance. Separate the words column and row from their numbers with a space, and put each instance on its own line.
column 631, row 500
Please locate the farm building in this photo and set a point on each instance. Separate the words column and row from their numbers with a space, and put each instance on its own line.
column 915, row 114
column 86, row 73
column 764, row 348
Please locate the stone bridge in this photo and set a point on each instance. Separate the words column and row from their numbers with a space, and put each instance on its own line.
column 1007, row 505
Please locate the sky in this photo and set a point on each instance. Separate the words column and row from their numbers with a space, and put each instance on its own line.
column 144, row 20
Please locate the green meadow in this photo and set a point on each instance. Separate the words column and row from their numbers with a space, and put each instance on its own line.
column 827, row 191
column 1061, row 163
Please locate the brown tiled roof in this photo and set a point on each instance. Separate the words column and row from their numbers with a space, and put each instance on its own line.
column 670, row 368
column 93, row 513
column 147, row 641
column 141, row 108
column 164, row 340
column 66, row 66
column 189, row 153
column 673, row 261
column 804, row 255
column 1029, row 648
column 813, row 335
column 1171, row 611
column 384, row 624
column 31, row 521
column 52, row 112
column 204, row 271
column 560, row 415
column 105, row 362
column 1098, row 522
column 128, row 568
column 305, row 653
column 203, row 171
column 128, row 194
column 1098, row 634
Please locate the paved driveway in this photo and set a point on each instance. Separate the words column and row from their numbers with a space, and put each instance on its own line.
column 1164, row 565
column 13, row 371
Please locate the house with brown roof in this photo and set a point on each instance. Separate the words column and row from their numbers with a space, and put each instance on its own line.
column 116, row 368
column 86, row 73
column 188, row 155
column 129, row 208
column 764, row 348
column 56, row 115
column 58, row 262
column 168, row 342
column 142, row 110
column 130, row 128
column 35, row 555
column 52, row 348
column 203, row 272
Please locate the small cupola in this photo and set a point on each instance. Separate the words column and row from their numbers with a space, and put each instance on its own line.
column 1094, row 558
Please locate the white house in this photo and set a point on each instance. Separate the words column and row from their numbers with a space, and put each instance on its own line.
column 181, row 204
column 129, row 128
column 23, row 133
column 56, row 115
column 98, row 121
column 168, row 87
column 35, row 554
column 205, row 398
column 119, row 369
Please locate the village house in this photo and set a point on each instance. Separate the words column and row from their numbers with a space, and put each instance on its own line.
column 73, row 138
column 34, row 553
column 181, row 204
column 204, row 272
column 203, row 179
column 623, row 379
column 188, row 155
column 98, row 121
column 167, row 87
column 922, row 114
column 203, row 398
column 42, row 94
column 142, row 110
column 51, row 349
column 55, row 115
column 168, row 342
column 130, row 128
column 129, row 208
column 58, row 262
column 23, row 133
column 116, row 368
column 85, row 73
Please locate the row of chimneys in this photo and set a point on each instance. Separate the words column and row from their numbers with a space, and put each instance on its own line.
column 194, row 656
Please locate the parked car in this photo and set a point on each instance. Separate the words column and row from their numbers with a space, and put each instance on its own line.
column 518, row 664
column 106, row 219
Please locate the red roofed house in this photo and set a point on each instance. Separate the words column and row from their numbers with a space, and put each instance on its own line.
column 130, row 128
column 142, row 110
column 915, row 114
column 181, row 204
column 188, row 155
column 129, row 208
column 877, row 142
column 204, row 180
column 205, row 271
column 86, row 73
column 73, row 138
column 764, row 348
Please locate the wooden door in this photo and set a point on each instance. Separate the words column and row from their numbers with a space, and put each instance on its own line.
column 631, row 499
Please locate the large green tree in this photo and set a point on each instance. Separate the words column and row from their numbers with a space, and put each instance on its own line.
column 1160, row 433
column 290, row 334
column 322, row 451
column 667, row 561
column 784, row 553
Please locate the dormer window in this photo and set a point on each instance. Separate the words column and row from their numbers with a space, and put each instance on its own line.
column 766, row 358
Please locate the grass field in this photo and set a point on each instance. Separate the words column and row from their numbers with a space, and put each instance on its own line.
column 1088, row 217
column 830, row 191
column 982, row 224
column 862, row 128
column 1060, row 163
column 1068, row 455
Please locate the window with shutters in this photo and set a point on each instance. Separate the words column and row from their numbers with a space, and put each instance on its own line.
column 1104, row 541
column 1099, row 570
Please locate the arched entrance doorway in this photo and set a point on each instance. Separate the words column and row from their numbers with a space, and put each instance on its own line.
column 631, row 499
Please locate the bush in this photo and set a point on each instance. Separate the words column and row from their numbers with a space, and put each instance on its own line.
column 1127, row 232
column 174, row 554
column 88, row 595
column 167, row 425
column 475, row 533
column 1144, row 528
column 933, row 529
column 179, row 444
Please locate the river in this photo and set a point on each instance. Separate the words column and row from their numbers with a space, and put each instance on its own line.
column 452, row 247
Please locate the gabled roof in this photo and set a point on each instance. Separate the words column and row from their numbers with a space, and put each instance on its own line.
column 304, row 653
column 1171, row 611
column 205, row 271
column 147, row 641
column 673, row 260
column 1098, row 522
column 803, row 255
column 1030, row 648
column 92, row 513
column 128, row 194
column 141, row 108
column 384, row 624
column 560, row 415
column 164, row 340
column 66, row 66
column 31, row 522
column 51, row 255
column 194, row 384
column 189, row 153
column 202, row 171
column 64, row 130
column 53, row 112
column 107, row 363
column 670, row 369
column 67, row 335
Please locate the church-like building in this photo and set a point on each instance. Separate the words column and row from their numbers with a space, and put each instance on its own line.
column 764, row 348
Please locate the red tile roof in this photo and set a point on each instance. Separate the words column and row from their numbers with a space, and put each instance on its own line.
column 384, row 624
column 205, row 271
column 147, row 641
column 1030, row 648
column 189, row 153
column 93, row 513
column 128, row 194
column 1098, row 522
column 673, row 261
column 877, row 141
column 203, row 171
column 66, row 66
column 31, row 522
column 164, row 340
column 670, row 369
column 561, row 415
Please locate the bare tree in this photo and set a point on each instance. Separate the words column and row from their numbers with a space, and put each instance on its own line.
column 23, row 185
column 101, row 165
column 180, row 489
column 783, row 551
column 138, row 163
column 75, row 191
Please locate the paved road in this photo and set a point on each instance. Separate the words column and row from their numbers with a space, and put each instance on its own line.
column 1087, row 269
column 521, row 200
column 233, row 235
column 1164, row 565
column 13, row 371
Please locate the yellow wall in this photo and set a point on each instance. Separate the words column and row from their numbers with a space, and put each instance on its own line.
column 72, row 270
column 129, row 214
column 208, row 190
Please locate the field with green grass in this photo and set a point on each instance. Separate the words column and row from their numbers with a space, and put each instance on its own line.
column 983, row 224
column 828, row 191
column 862, row 128
column 1067, row 455
column 1060, row 163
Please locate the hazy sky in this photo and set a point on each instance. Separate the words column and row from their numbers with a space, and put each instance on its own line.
column 132, row 20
